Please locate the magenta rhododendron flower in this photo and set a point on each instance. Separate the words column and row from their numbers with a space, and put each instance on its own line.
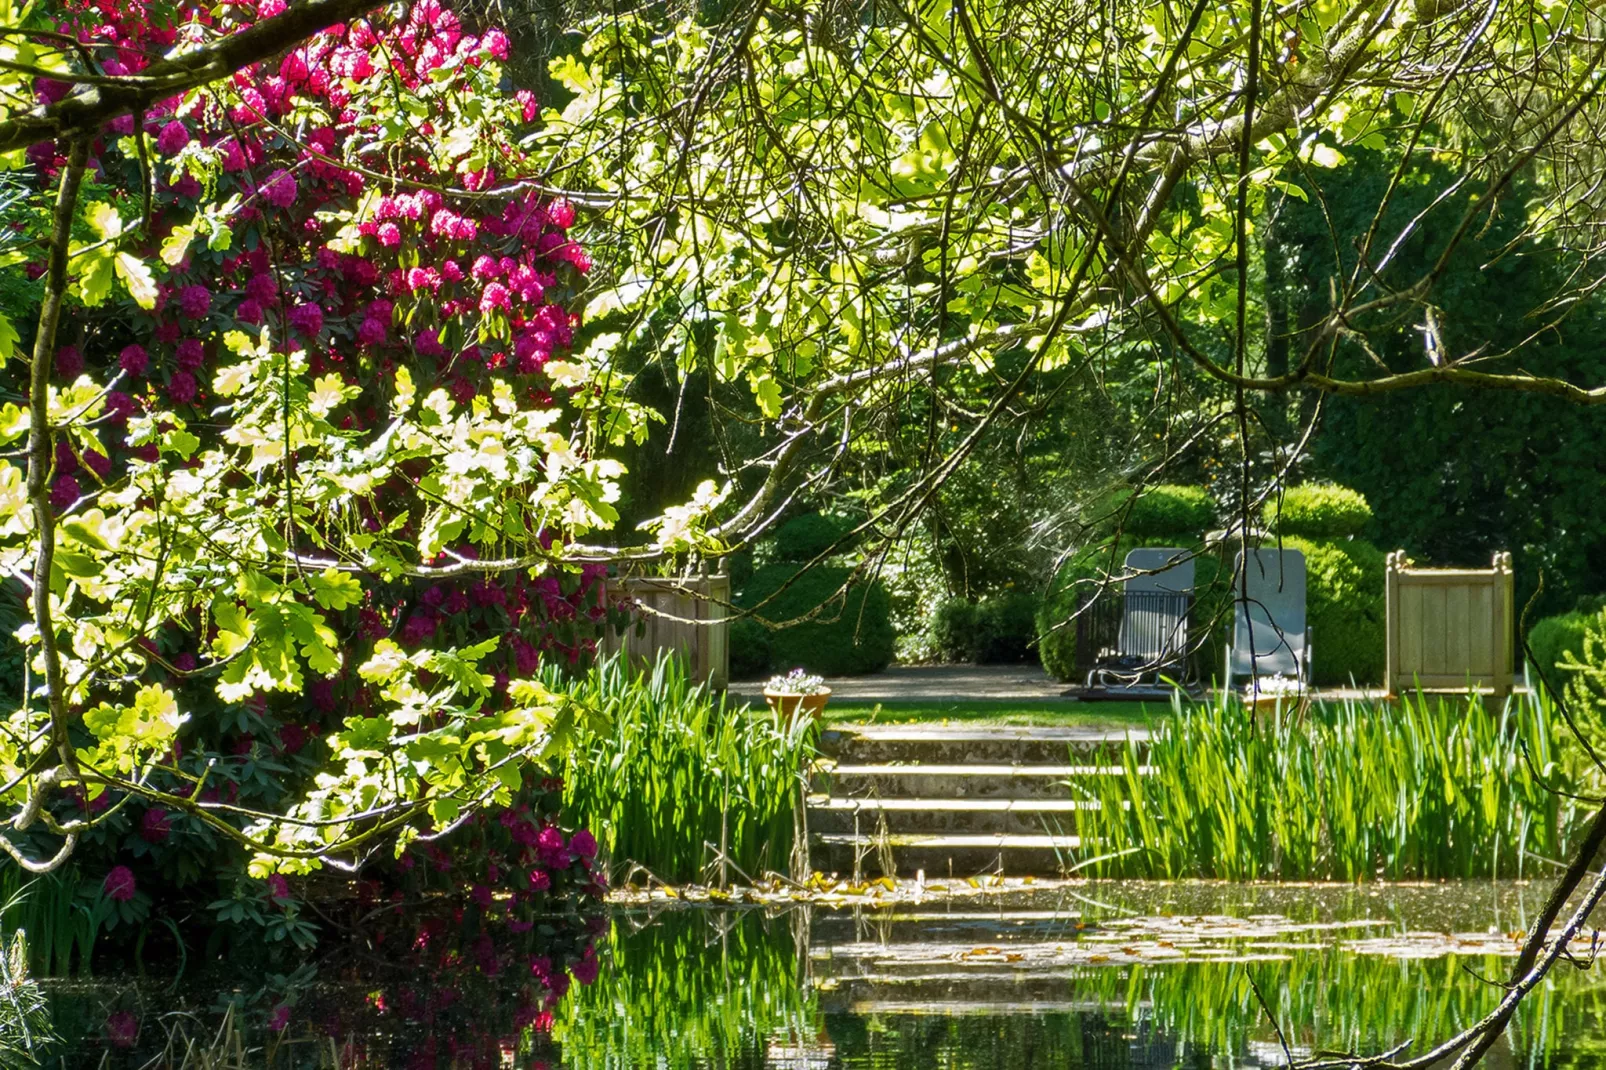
column 171, row 141
column 372, row 332
column 97, row 463
column 278, row 888
column 584, row 844
column 182, row 388
column 119, row 884
column 194, row 301
column 307, row 319
column 64, row 491
column 419, row 627
column 389, row 235
column 540, row 880
column 156, row 826
column 190, row 354
column 134, row 360
column 69, row 363
column 281, row 189
column 122, row 1029
column 279, row 1018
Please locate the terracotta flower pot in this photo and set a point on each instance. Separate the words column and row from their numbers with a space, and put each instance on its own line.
column 788, row 705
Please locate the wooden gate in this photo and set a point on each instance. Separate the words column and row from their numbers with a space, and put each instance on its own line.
column 1449, row 629
column 683, row 615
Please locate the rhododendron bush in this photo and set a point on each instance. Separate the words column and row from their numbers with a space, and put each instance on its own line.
column 300, row 487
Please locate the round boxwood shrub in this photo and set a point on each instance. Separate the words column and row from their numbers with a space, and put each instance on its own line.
column 1343, row 609
column 1552, row 639
column 953, row 629
column 1000, row 629
column 846, row 637
column 1318, row 511
column 805, row 537
column 1169, row 510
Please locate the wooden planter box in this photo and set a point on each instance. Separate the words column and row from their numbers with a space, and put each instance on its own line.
column 686, row 616
column 1449, row 629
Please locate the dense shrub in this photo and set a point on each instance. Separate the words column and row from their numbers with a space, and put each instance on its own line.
column 1553, row 638
column 1318, row 511
column 749, row 649
column 997, row 630
column 803, row 538
column 1343, row 609
column 845, row 637
column 954, row 629
column 1167, row 510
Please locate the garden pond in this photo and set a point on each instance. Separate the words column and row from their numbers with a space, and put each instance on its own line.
column 1091, row 974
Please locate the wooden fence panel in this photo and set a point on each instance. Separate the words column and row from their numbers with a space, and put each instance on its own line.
column 683, row 615
column 1449, row 629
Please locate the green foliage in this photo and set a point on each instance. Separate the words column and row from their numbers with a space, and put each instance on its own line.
column 1318, row 511
column 1164, row 511
column 1554, row 640
column 58, row 912
column 805, row 537
column 676, row 769
column 749, row 649
column 841, row 635
column 1424, row 788
column 1528, row 479
column 1000, row 629
column 954, row 629
column 1344, row 609
column 685, row 992
column 1581, row 674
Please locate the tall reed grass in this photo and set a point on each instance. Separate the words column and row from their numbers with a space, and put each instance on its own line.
column 58, row 918
column 1421, row 788
column 681, row 777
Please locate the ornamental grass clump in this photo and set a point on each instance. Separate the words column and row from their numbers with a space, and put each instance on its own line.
column 678, row 776
column 1425, row 788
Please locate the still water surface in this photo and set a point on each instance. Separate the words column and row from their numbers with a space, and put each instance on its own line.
column 1100, row 975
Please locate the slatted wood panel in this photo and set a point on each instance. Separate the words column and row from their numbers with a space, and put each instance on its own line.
column 1449, row 629
column 686, row 616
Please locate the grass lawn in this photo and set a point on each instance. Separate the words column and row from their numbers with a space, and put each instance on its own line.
column 1001, row 711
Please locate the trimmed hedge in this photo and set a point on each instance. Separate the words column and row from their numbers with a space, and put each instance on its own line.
column 1344, row 609
column 805, row 537
column 997, row 630
column 1553, row 637
column 1318, row 511
column 848, row 636
column 1166, row 510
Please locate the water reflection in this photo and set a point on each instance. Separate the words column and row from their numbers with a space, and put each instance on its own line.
column 1097, row 976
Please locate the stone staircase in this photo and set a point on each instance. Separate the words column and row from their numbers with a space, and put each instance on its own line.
column 953, row 801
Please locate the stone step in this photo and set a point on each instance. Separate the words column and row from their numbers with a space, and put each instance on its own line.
column 943, row 854
column 957, row 781
column 955, row 926
column 871, row 744
column 1016, row 816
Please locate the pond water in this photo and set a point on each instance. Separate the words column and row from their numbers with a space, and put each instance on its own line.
column 1097, row 975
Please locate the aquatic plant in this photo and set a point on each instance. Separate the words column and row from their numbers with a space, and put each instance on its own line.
column 687, row 990
column 1424, row 787
column 681, row 777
